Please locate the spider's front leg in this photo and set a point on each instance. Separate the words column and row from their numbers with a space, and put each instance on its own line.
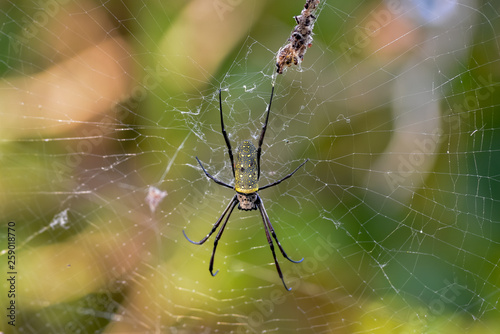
column 213, row 178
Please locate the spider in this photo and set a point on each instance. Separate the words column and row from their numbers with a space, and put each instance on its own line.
column 246, row 173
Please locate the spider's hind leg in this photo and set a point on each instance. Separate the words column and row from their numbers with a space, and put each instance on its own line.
column 268, row 227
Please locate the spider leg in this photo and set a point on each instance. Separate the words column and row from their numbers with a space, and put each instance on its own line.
column 263, row 133
column 224, row 133
column 213, row 178
column 216, row 241
column 217, row 223
column 283, row 179
column 270, row 242
column 271, row 229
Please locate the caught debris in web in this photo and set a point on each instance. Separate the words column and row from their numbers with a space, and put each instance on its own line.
column 300, row 39
column 60, row 220
column 154, row 197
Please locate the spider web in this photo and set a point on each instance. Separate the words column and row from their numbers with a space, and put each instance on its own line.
column 105, row 104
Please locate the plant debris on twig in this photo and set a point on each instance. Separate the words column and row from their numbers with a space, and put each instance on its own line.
column 300, row 39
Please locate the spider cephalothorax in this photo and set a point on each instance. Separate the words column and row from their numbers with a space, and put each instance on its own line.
column 247, row 202
column 246, row 173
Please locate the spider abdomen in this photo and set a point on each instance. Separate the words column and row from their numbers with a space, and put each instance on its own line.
column 246, row 169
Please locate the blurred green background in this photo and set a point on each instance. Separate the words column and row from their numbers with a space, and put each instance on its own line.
column 396, row 214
